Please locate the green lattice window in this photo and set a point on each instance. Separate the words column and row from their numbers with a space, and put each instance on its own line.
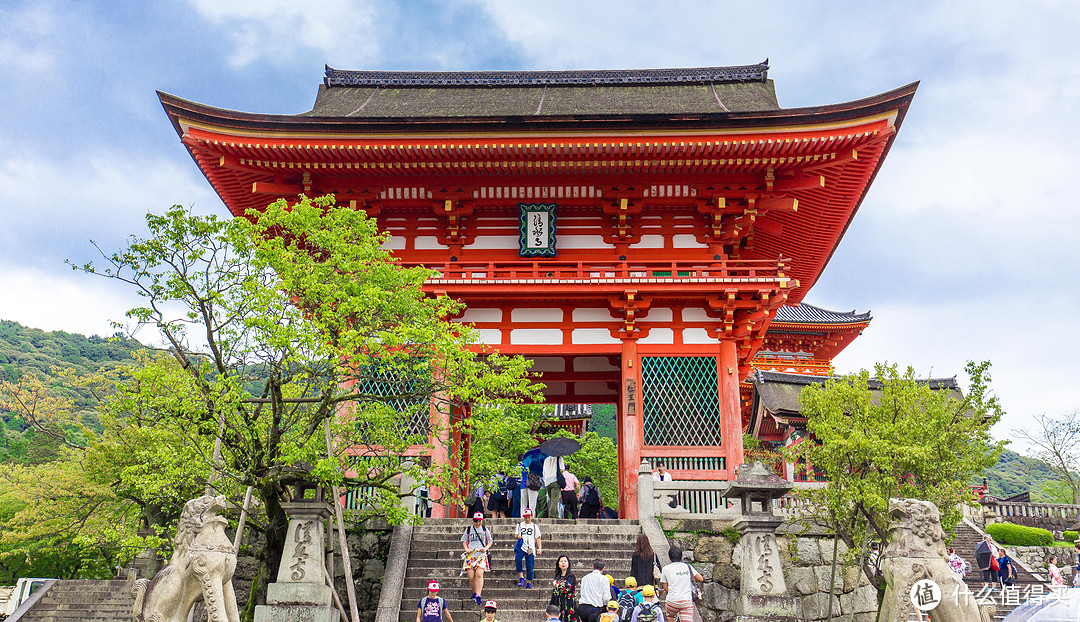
column 407, row 395
column 680, row 403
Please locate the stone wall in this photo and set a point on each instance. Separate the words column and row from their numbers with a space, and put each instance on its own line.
column 1036, row 558
column 369, row 548
column 806, row 559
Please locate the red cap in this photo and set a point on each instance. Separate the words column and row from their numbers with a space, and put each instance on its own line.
column 491, row 604
column 526, row 512
column 433, row 586
column 478, row 516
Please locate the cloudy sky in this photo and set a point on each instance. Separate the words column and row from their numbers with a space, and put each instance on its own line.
column 965, row 248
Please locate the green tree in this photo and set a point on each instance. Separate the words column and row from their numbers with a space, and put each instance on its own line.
column 288, row 329
column 894, row 437
column 1057, row 443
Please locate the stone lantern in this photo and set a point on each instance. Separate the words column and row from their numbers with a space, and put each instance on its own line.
column 301, row 591
column 763, row 591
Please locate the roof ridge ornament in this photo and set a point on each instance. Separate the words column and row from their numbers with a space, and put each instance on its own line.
column 574, row 77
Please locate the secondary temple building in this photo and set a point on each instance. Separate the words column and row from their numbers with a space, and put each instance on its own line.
column 647, row 237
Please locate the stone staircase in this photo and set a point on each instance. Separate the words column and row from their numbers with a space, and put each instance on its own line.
column 965, row 537
column 85, row 601
column 436, row 554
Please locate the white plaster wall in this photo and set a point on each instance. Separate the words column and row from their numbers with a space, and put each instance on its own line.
column 697, row 335
column 494, row 242
column 537, row 315
column 476, row 315
column 650, row 241
column 427, row 243
column 536, row 336
column 592, row 315
column 696, row 315
column 581, row 241
column 592, row 336
column 659, row 335
column 660, row 314
column 684, row 240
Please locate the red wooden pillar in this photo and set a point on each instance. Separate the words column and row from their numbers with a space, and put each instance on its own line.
column 440, row 454
column 631, row 432
column 727, row 376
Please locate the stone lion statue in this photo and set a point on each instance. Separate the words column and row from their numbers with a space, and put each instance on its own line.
column 201, row 566
column 916, row 551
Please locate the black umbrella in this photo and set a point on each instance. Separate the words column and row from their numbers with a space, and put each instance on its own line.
column 559, row 446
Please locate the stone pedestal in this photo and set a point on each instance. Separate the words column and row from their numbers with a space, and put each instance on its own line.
column 301, row 592
column 763, row 593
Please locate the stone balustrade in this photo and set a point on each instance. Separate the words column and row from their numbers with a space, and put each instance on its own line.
column 1052, row 516
column 704, row 499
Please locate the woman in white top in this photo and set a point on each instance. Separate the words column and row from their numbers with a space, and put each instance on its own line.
column 476, row 541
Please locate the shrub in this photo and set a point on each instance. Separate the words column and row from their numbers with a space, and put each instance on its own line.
column 1070, row 536
column 1019, row 535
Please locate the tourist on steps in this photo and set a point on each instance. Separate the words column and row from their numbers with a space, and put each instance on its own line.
column 552, row 614
column 569, row 494
column 476, row 541
column 553, row 468
column 490, row 607
column 677, row 581
column 644, row 564
column 432, row 608
column 595, row 592
column 529, row 488
column 590, row 498
column 527, row 547
column 1056, row 578
column 985, row 553
column 562, row 590
column 648, row 610
column 958, row 564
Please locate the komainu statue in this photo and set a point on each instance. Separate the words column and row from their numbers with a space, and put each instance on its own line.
column 201, row 566
column 916, row 551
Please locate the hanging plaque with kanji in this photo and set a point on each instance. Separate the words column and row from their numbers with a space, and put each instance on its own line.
column 537, row 228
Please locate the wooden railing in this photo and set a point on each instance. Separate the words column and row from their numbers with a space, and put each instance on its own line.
column 755, row 270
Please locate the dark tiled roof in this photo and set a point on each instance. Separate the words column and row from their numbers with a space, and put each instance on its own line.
column 779, row 392
column 699, row 75
column 816, row 315
column 396, row 94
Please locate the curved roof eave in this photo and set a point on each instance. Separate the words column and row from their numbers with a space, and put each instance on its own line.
column 898, row 99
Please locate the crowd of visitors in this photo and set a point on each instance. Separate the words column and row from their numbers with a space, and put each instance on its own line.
column 593, row 598
column 564, row 495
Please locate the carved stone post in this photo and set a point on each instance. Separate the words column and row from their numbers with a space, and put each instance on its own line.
column 763, row 591
column 301, row 592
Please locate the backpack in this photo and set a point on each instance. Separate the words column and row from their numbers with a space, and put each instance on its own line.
column 647, row 613
column 590, row 494
column 626, row 604
column 442, row 604
column 534, row 482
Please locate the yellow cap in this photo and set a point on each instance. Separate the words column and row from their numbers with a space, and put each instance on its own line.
column 610, row 579
column 631, row 582
column 648, row 591
column 612, row 604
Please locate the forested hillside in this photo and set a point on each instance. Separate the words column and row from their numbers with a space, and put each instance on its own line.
column 33, row 351
column 1014, row 474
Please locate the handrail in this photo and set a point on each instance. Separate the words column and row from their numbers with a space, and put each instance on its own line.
column 561, row 270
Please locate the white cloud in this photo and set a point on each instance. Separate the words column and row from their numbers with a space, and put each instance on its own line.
column 69, row 301
column 26, row 42
column 276, row 30
column 99, row 194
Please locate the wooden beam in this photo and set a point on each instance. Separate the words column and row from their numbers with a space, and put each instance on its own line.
column 281, row 190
